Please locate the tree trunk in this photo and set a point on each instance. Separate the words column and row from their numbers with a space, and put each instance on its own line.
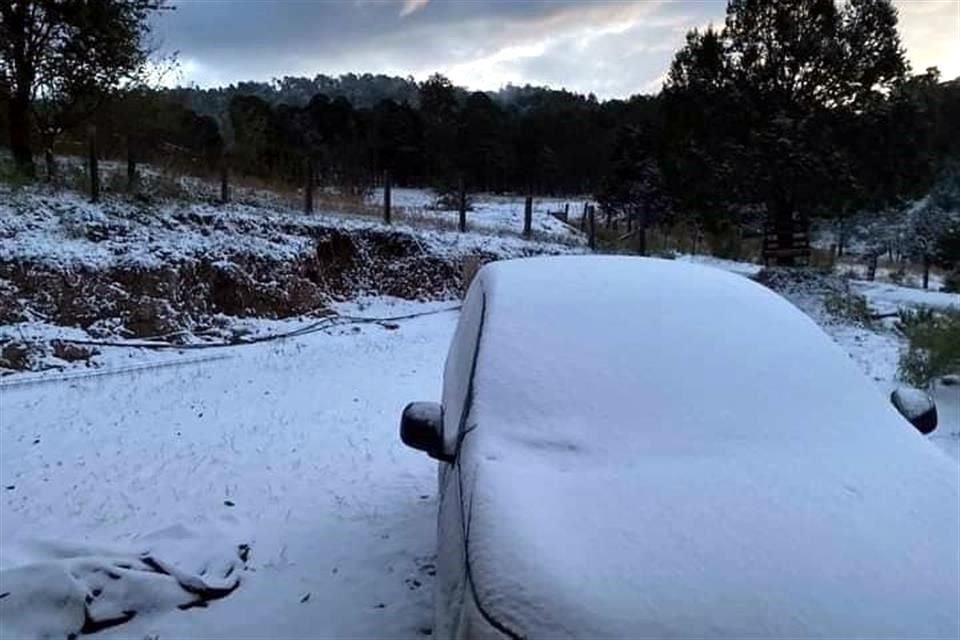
column 642, row 233
column 463, row 206
column 18, row 111
column 51, row 163
column 926, row 271
column 872, row 267
column 224, row 182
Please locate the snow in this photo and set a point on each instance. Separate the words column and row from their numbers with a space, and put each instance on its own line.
column 742, row 268
column 913, row 402
column 143, row 453
column 885, row 296
column 489, row 212
column 300, row 436
column 66, row 230
column 59, row 587
column 663, row 474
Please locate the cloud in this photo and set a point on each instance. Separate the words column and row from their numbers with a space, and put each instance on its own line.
column 930, row 30
column 412, row 6
column 609, row 47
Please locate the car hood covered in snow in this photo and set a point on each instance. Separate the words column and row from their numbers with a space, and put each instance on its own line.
column 667, row 450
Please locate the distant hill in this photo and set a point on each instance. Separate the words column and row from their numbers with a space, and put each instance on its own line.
column 363, row 91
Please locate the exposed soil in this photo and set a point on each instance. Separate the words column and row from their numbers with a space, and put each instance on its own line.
column 189, row 295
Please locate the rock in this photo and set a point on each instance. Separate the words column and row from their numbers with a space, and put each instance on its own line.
column 72, row 352
column 15, row 355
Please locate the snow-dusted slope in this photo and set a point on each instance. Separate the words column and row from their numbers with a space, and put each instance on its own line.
column 65, row 228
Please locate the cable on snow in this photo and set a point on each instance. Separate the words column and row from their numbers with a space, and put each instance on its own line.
column 320, row 325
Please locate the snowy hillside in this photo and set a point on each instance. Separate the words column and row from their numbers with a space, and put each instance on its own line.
column 187, row 272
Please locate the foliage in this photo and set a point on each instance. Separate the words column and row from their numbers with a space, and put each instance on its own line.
column 11, row 175
column 633, row 188
column 849, row 307
column 951, row 282
column 769, row 103
column 61, row 57
column 933, row 345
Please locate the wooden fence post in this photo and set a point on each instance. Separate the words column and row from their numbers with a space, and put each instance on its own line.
column 583, row 218
column 131, row 166
column 593, row 227
column 463, row 206
column 528, row 217
column 308, row 186
column 386, row 197
column 93, row 165
column 224, row 180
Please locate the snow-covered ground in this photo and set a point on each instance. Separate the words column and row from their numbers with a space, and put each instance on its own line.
column 65, row 228
column 489, row 213
column 289, row 447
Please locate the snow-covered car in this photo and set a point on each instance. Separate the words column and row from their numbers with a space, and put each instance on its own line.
column 638, row 448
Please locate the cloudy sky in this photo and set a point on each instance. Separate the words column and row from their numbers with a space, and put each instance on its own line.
column 608, row 47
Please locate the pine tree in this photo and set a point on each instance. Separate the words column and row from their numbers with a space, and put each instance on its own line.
column 634, row 190
column 769, row 94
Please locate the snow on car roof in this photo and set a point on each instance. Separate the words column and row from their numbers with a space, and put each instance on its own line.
column 620, row 353
column 667, row 450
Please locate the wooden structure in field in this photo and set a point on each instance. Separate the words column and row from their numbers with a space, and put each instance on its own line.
column 786, row 247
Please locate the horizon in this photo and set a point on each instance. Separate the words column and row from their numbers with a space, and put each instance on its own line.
column 612, row 49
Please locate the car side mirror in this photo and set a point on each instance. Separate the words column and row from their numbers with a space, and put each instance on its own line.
column 421, row 427
column 917, row 407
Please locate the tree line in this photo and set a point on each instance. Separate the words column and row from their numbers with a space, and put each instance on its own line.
column 788, row 110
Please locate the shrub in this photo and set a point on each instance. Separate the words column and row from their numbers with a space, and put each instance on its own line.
column 11, row 176
column 951, row 282
column 727, row 244
column 849, row 307
column 74, row 177
column 898, row 276
column 933, row 348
